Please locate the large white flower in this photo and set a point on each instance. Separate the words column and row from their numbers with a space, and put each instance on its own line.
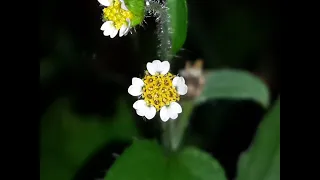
column 117, row 18
column 159, row 90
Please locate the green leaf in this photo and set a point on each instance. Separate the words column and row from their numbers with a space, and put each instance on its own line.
column 145, row 160
column 178, row 15
column 234, row 84
column 262, row 161
column 138, row 10
column 67, row 140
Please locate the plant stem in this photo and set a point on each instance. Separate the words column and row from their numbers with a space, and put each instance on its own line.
column 160, row 11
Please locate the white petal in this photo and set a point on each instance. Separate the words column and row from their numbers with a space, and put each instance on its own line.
column 175, row 81
column 124, row 28
column 182, row 81
column 158, row 67
column 106, row 33
column 140, row 112
column 157, row 64
column 106, row 25
column 150, row 112
column 151, row 68
column 182, row 89
column 174, row 108
column 178, row 80
column 179, row 83
column 114, row 33
column 165, row 67
column 123, row 6
column 129, row 24
column 135, row 90
column 174, row 116
column 108, row 28
column 139, row 104
column 106, row 2
column 137, row 82
column 164, row 114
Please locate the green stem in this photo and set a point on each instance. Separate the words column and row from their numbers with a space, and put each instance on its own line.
column 168, row 134
column 170, row 137
column 160, row 12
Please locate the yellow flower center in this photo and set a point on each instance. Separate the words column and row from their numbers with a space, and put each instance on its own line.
column 158, row 90
column 116, row 14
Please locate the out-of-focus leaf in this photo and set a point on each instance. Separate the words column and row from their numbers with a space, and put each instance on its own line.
column 262, row 161
column 68, row 139
column 181, row 123
column 145, row 160
column 234, row 84
column 178, row 16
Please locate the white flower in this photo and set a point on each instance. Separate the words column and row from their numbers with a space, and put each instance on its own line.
column 117, row 18
column 159, row 90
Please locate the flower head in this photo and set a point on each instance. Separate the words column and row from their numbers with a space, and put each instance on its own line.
column 159, row 90
column 117, row 18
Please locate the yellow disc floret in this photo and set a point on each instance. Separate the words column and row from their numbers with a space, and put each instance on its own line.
column 116, row 14
column 159, row 91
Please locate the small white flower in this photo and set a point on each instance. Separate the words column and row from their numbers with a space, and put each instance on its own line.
column 159, row 90
column 117, row 18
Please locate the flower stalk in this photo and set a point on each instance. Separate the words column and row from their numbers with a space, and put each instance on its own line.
column 160, row 11
column 164, row 31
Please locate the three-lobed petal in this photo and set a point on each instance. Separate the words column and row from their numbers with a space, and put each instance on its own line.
column 180, row 84
column 158, row 67
column 143, row 109
column 170, row 112
column 136, row 88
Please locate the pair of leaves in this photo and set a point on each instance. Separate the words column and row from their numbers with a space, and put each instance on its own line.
column 145, row 160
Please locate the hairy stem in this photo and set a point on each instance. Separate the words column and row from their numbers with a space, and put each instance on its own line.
column 160, row 12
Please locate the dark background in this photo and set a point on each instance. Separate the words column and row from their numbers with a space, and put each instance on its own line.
column 93, row 73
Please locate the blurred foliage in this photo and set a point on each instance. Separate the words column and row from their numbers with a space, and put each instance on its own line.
column 234, row 84
column 178, row 15
column 68, row 140
column 262, row 161
column 145, row 160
